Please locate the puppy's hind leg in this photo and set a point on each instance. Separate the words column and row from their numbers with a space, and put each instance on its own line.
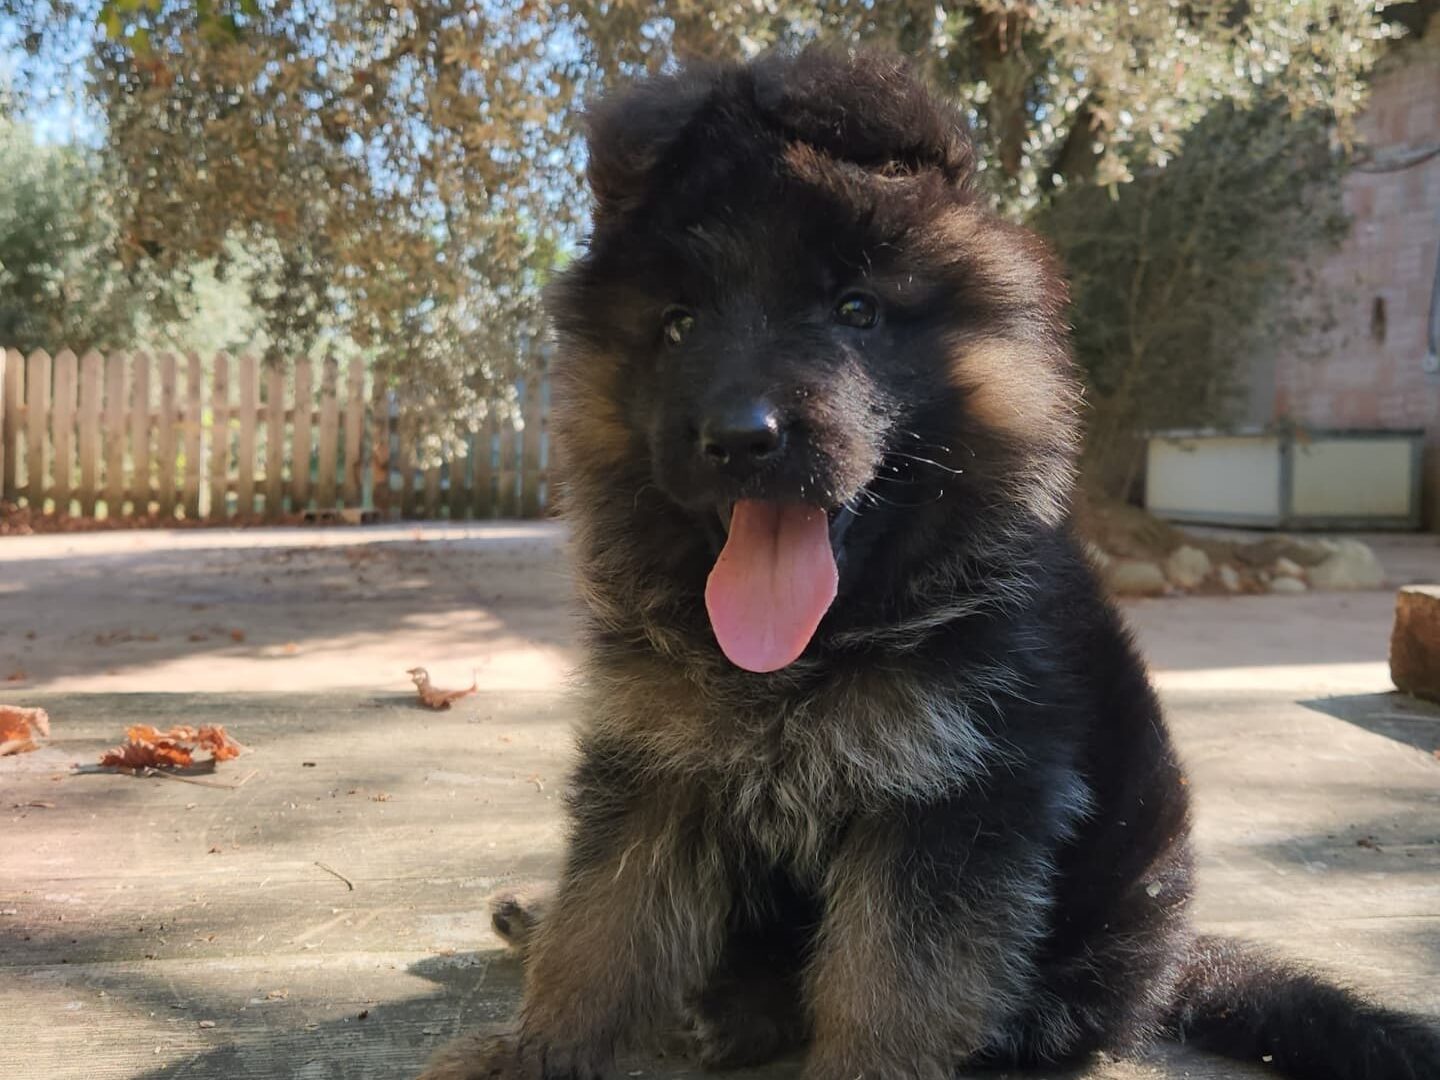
column 515, row 914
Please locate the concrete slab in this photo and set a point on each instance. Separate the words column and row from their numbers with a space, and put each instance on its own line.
column 327, row 918
column 154, row 928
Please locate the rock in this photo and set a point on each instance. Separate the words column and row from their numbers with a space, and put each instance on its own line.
column 1288, row 568
column 1287, row 585
column 1135, row 577
column 1415, row 641
column 1350, row 564
column 1229, row 577
column 1187, row 566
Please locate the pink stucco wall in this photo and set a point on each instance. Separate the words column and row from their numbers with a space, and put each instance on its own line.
column 1349, row 374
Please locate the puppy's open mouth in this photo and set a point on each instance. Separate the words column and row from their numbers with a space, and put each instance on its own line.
column 774, row 580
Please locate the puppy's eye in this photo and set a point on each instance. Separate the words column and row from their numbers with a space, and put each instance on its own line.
column 677, row 324
column 859, row 310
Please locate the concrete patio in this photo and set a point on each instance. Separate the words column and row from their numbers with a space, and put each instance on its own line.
column 325, row 918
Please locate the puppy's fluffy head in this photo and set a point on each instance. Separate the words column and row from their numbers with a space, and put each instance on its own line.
column 792, row 308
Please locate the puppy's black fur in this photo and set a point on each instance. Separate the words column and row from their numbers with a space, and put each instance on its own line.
column 954, row 830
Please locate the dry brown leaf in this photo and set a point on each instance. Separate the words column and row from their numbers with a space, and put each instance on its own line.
column 161, row 754
column 432, row 697
column 147, row 747
column 18, row 675
column 221, row 746
column 22, row 729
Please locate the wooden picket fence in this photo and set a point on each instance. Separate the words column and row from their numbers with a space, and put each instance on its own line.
column 166, row 436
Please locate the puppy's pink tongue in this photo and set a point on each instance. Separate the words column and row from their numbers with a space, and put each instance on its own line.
column 772, row 584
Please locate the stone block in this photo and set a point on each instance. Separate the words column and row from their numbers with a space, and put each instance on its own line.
column 1415, row 641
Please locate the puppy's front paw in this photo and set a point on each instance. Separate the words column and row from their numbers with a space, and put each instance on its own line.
column 477, row 1057
column 733, row 1042
column 736, row 1026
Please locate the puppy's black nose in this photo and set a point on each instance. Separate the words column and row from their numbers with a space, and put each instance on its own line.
column 740, row 440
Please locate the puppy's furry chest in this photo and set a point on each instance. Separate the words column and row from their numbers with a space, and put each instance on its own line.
column 780, row 769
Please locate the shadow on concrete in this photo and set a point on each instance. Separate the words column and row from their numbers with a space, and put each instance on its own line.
column 1395, row 715
column 479, row 992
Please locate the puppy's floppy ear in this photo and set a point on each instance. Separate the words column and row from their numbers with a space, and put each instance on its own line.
column 867, row 108
column 628, row 133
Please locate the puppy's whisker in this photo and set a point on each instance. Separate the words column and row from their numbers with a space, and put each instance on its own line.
column 925, row 461
column 920, row 441
column 901, row 481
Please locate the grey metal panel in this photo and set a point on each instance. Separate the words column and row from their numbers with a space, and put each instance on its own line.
column 1288, row 519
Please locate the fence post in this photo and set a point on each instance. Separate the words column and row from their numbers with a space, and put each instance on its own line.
column 482, row 496
column 115, row 435
column 12, row 383
column 219, row 508
column 62, row 431
column 249, row 410
column 329, row 435
column 457, row 495
column 37, row 412
column 90, row 368
column 432, row 492
column 4, row 425
column 511, row 446
column 140, row 433
column 274, row 442
column 380, row 447
column 304, row 418
column 165, row 463
column 353, row 486
column 405, row 465
column 192, row 426
column 533, row 440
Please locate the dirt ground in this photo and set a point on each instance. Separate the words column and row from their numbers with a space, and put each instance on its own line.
column 302, row 609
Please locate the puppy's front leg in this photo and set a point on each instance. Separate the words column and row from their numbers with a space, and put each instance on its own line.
column 925, row 946
column 637, row 920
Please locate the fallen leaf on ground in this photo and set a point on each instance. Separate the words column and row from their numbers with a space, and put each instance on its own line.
column 147, row 747
column 16, row 676
column 431, row 696
column 22, row 729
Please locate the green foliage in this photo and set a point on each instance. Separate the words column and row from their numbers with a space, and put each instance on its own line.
column 1059, row 92
column 60, row 282
column 401, row 173
column 1176, row 277
column 399, row 176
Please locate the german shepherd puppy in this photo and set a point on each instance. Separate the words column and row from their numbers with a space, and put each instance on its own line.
column 867, row 762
